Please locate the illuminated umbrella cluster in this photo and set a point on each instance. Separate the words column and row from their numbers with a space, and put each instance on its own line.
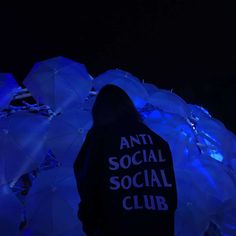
column 8, row 88
column 204, row 151
column 59, row 82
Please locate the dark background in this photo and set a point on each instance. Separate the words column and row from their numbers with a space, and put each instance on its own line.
column 188, row 46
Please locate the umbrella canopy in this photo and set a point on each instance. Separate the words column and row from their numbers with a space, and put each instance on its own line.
column 198, row 112
column 22, row 145
column 205, row 194
column 58, row 82
column 177, row 132
column 217, row 140
column 52, row 204
column 191, row 217
column 10, row 213
column 66, row 134
column 150, row 88
column 8, row 88
column 169, row 102
column 130, row 84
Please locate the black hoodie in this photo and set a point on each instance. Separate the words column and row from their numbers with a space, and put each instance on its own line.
column 125, row 178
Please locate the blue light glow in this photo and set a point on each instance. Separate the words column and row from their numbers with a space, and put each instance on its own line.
column 216, row 155
column 199, row 144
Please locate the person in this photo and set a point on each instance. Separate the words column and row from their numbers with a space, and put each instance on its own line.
column 124, row 172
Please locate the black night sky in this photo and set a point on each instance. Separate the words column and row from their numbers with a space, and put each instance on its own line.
column 188, row 46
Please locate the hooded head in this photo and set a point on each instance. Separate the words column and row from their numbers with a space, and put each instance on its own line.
column 113, row 104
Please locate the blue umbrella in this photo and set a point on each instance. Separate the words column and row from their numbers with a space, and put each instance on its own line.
column 59, row 82
column 130, row 84
column 217, row 141
column 198, row 112
column 52, row 204
column 169, row 102
column 66, row 134
column 177, row 132
column 8, row 88
column 203, row 190
column 150, row 88
column 191, row 217
column 10, row 212
column 22, row 144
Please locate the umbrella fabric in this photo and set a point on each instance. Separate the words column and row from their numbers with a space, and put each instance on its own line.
column 197, row 112
column 216, row 139
column 59, row 82
column 198, row 205
column 191, row 218
column 214, row 178
column 110, row 76
column 52, row 202
column 67, row 133
column 177, row 132
column 130, row 84
column 169, row 102
column 10, row 213
column 150, row 88
column 8, row 88
column 22, row 146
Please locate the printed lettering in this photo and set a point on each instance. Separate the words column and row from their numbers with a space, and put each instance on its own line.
column 166, row 184
column 134, row 140
column 125, row 161
column 161, row 202
column 115, row 181
column 125, row 205
column 126, row 182
column 124, row 143
column 134, row 160
column 113, row 164
column 136, row 185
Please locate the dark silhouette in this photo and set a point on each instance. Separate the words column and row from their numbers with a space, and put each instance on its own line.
column 124, row 173
column 112, row 104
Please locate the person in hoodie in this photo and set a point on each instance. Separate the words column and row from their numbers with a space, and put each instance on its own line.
column 124, row 172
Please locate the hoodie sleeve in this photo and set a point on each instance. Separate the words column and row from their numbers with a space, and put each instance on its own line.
column 86, row 170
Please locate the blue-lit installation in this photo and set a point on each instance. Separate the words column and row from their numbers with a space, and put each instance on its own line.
column 59, row 82
column 11, row 211
column 22, row 144
column 8, row 88
column 130, row 84
column 169, row 102
column 40, row 141
column 50, row 203
column 150, row 88
column 66, row 134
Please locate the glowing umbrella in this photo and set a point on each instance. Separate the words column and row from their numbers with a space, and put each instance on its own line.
column 191, row 218
column 8, row 88
column 198, row 112
column 10, row 213
column 66, row 134
column 204, row 187
column 59, row 82
column 169, row 102
column 110, row 76
column 177, row 132
column 22, row 144
column 52, row 204
column 216, row 139
column 150, row 88
column 130, row 84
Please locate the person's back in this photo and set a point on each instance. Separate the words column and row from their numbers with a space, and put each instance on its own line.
column 124, row 173
column 135, row 192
